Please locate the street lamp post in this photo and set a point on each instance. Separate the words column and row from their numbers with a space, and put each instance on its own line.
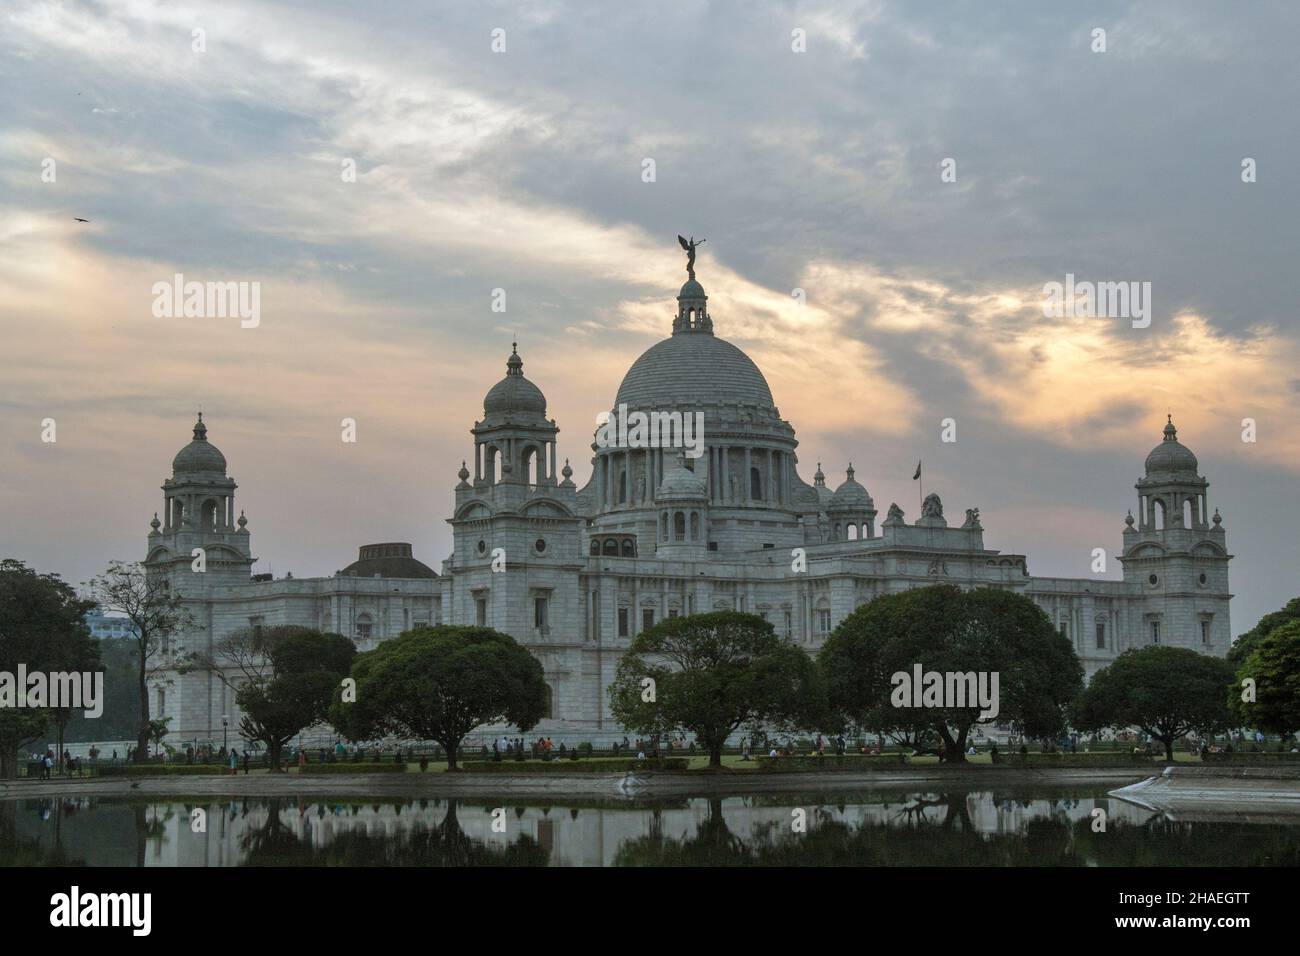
column 225, row 722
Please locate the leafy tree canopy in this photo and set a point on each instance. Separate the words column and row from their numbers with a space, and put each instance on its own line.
column 1274, row 665
column 713, row 673
column 947, row 630
column 1246, row 643
column 439, row 683
column 1167, row 692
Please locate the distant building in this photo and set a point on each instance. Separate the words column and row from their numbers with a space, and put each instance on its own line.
column 655, row 534
column 102, row 626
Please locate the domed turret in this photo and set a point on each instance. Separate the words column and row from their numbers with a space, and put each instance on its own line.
column 1171, row 457
column 514, row 394
column 200, row 456
column 683, row 497
column 851, row 510
column 824, row 494
column 682, row 484
column 850, row 495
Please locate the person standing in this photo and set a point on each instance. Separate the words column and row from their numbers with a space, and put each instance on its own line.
column 234, row 762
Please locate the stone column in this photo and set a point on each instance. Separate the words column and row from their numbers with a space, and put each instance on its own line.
column 745, row 486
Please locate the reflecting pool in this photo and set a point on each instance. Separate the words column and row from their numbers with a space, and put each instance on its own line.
column 1053, row 826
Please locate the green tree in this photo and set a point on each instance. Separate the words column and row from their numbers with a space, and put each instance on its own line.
column 1274, row 665
column 42, row 626
column 1246, row 643
column 439, row 683
column 121, row 696
column 159, row 615
column 284, row 679
column 713, row 673
column 947, row 630
column 1166, row 692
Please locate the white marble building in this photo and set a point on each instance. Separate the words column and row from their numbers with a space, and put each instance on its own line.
column 654, row 533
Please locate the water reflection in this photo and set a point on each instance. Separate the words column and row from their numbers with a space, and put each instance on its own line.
column 873, row 828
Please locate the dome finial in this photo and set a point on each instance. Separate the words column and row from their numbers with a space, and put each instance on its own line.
column 1171, row 433
column 514, row 364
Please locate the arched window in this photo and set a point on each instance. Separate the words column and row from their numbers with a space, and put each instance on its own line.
column 853, row 532
column 595, row 547
column 531, row 465
column 663, row 526
column 363, row 627
column 695, row 526
column 178, row 512
column 755, row 484
column 209, row 513
column 629, row 548
column 679, row 525
column 1189, row 512
column 622, row 487
column 1158, row 513
column 611, row 547
column 548, row 709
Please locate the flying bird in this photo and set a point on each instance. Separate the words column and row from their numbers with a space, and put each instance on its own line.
column 78, row 219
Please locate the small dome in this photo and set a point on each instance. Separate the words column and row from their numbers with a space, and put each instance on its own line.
column 850, row 495
column 681, row 482
column 200, row 455
column 692, row 290
column 824, row 494
column 1171, row 456
column 514, row 393
column 389, row 560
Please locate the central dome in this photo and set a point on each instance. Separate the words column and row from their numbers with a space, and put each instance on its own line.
column 692, row 370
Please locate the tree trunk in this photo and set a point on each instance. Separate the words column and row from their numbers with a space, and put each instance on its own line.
column 142, row 738
column 954, row 751
column 451, row 753
column 8, row 760
column 273, row 748
column 1169, row 748
column 715, row 755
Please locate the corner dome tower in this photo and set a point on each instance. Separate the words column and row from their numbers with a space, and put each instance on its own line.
column 200, row 456
column 1171, row 457
column 514, row 394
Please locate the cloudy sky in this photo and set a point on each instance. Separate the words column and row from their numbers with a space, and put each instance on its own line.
column 522, row 170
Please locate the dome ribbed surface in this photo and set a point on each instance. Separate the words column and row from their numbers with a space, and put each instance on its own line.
column 691, row 369
column 514, row 393
column 1171, row 456
column 850, row 494
column 200, row 455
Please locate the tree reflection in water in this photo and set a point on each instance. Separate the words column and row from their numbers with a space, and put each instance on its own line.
column 438, row 844
column 899, row 828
